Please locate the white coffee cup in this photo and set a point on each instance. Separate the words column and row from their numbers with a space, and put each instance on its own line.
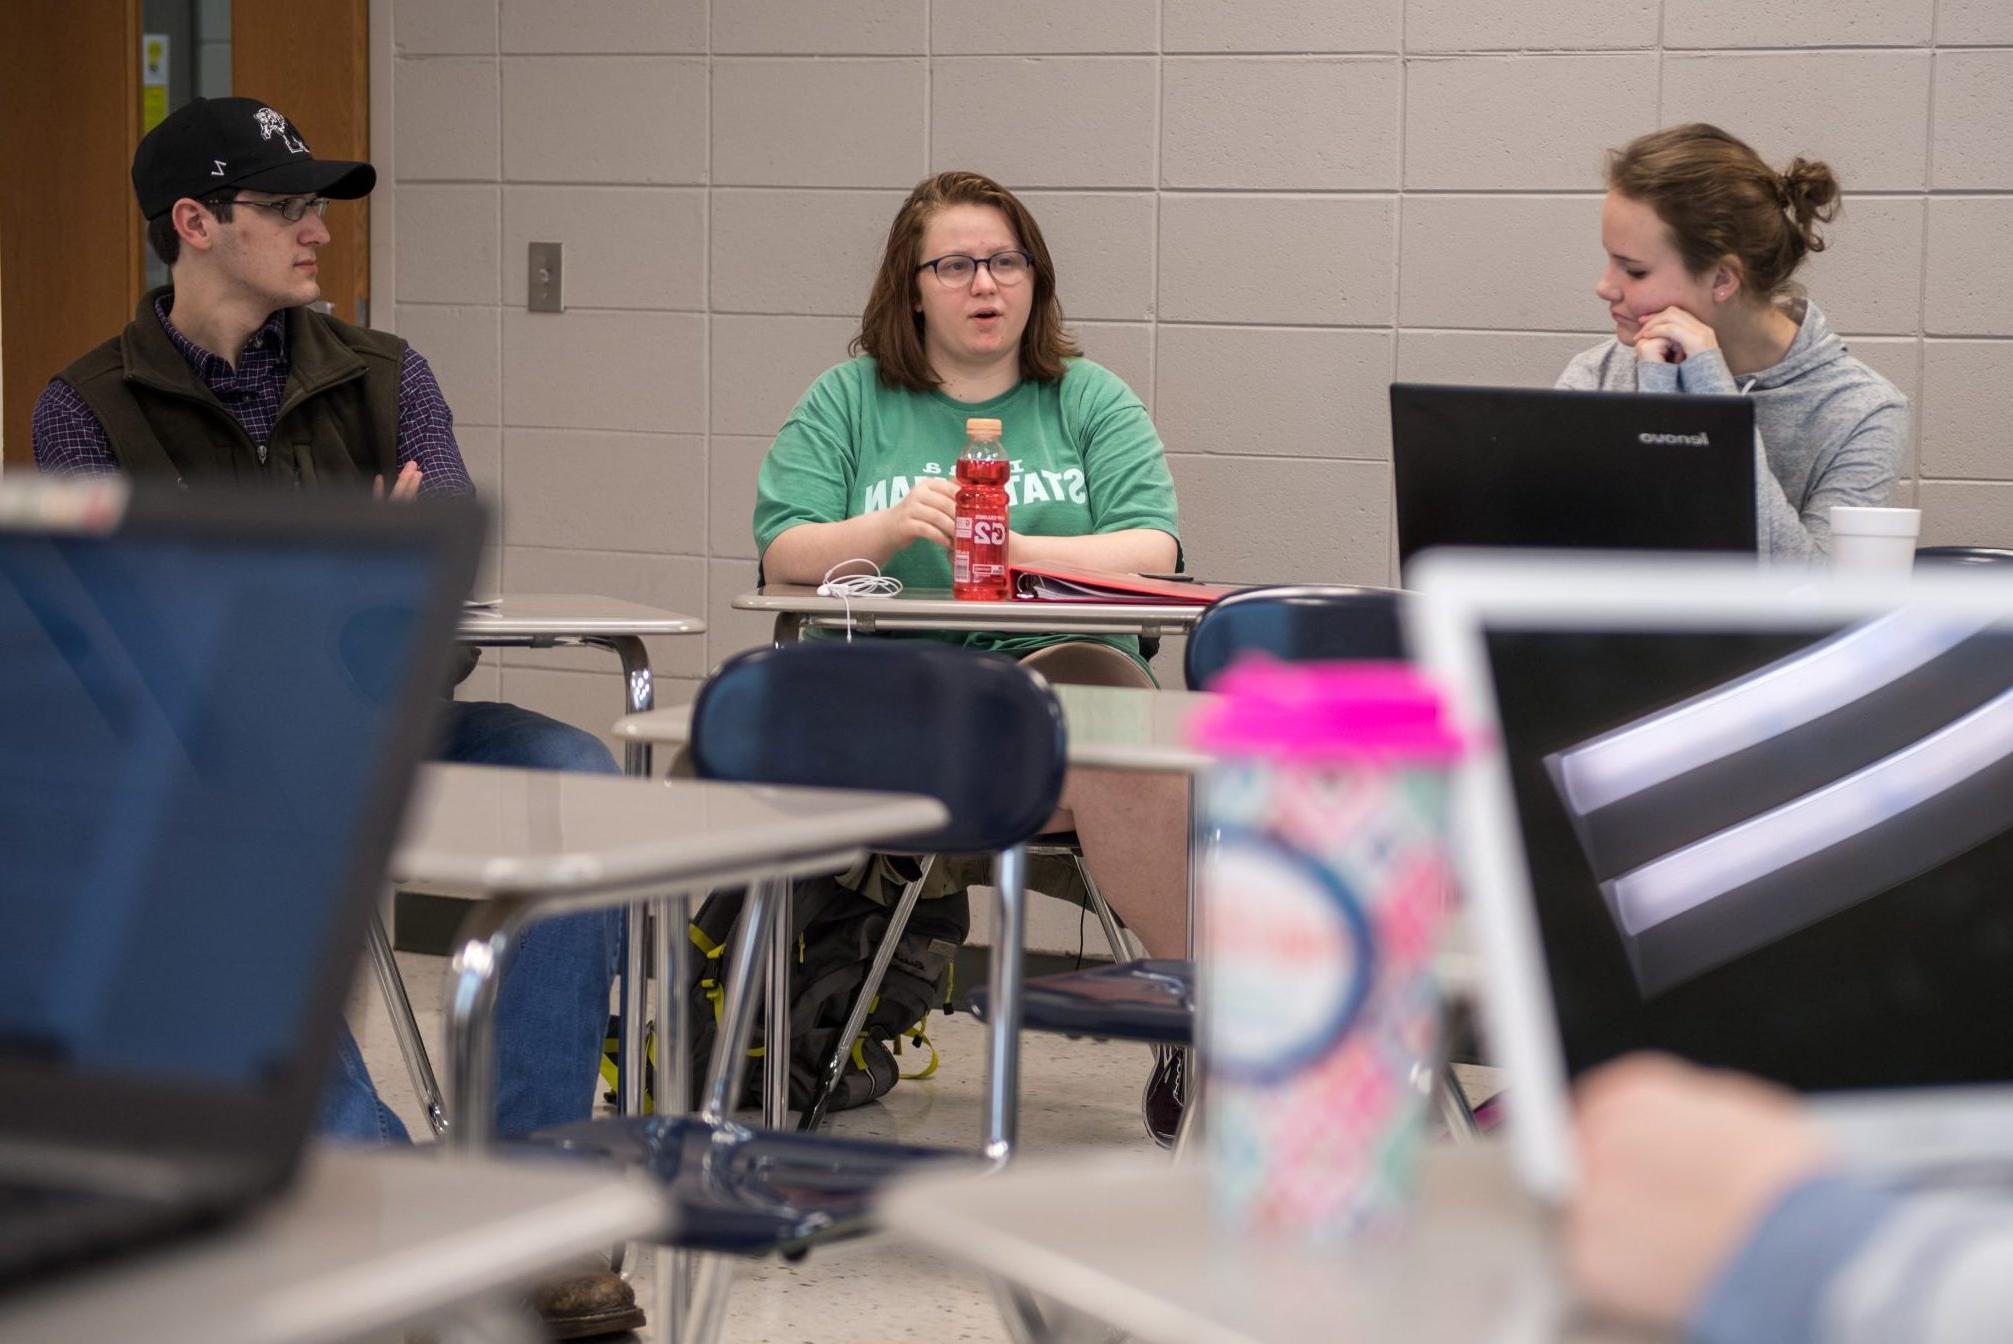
column 1873, row 541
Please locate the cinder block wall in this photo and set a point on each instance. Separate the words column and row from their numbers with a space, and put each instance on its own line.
column 1263, row 212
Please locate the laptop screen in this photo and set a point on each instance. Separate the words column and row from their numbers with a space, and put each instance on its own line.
column 1485, row 466
column 188, row 735
column 1784, row 851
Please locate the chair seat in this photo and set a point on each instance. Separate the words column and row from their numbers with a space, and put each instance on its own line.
column 742, row 1190
column 1150, row 1000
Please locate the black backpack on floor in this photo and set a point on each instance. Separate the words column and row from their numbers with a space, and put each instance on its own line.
column 835, row 932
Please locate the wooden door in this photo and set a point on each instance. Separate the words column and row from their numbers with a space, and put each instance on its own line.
column 312, row 63
column 69, row 226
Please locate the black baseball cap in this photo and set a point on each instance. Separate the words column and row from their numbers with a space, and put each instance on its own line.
column 209, row 143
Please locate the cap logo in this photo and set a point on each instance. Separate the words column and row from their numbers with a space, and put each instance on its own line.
column 272, row 123
column 218, row 171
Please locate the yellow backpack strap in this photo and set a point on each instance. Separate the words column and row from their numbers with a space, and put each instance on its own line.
column 917, row 1036
column 710, row 981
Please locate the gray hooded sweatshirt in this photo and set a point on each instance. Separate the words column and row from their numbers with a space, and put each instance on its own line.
column 1828, row 430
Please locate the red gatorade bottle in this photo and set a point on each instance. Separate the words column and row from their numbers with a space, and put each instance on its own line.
column 979, row 549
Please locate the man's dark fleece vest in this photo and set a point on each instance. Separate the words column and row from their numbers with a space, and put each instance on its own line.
column 338, row 422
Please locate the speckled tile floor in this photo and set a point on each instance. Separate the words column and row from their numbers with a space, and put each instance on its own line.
column 1075, row 1094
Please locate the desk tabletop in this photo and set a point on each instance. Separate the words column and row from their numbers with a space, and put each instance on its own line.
column 1136, row 1250
column 1123, row 728
column 366, row 1241
column 530, row 615
column 1108, row 727
column 490, row 830
column 936, row 609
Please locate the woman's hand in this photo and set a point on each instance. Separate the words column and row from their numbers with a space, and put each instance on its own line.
column 1673, row 336
column 927, row 513
column 1677, row 1165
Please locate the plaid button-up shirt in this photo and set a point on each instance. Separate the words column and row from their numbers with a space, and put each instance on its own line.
column 69, row 440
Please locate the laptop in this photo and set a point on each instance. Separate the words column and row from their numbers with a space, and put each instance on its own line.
column 211, row 708
column 1504, row 466
column 1760, row 821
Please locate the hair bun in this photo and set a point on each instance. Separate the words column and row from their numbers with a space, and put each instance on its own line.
column 1809, row 190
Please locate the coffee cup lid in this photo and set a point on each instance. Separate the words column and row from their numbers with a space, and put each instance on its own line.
column 1860, row 521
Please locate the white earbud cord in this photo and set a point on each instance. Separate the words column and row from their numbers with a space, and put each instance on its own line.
column 846, row 587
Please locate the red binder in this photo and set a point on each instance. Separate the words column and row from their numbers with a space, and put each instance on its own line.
column 1070, row 583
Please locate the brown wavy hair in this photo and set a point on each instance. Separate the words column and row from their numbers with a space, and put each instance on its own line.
column 891, row 329
column 1719, row 199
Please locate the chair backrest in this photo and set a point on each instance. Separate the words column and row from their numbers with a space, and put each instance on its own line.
column 1965, row 555
column 1297, row 624
column 971, row 729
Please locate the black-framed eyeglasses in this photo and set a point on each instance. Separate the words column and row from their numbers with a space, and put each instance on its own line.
column 955, row 270
column 292, row 208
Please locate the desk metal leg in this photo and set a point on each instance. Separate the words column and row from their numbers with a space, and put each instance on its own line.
column 776, row 1016
column 1451, row 1100
column 709, row 1297
column 1191, row 1067
column 629, row 1059
column 639, row 694
column 1019, row 1313
column 488, row 936
column 737, row 1014
column 1004, row 985
column 671, row 951
column 398, row 1005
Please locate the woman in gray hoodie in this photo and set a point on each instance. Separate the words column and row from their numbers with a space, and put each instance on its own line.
column 1702, row 238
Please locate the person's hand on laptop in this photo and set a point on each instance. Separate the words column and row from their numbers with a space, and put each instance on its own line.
column 1672, row 336
column 1677, row 1166
column 405, row 487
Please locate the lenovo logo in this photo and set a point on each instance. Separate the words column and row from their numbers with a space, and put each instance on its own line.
column 1699, row 440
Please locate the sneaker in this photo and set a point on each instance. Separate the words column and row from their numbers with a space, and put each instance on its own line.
column 1166, row 1093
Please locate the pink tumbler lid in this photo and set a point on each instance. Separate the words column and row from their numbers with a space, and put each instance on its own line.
column 1306, row 711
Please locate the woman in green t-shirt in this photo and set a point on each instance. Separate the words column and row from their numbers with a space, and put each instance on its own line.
column 963, row 321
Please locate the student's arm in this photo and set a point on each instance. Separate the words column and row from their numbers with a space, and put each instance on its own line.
column 1134, row 523
column 1860, row 470
column 804, row 552
column 1136, row 550
column 1709, row 1201
column 803, row 494
column 68, row 439
column 1937, row 1269
column 1776, row 1287
column 1856, row 1260
column 426, row 439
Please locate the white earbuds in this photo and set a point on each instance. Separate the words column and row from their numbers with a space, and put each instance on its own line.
column 846, row 587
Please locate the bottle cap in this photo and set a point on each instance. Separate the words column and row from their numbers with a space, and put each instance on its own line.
column 1309, row 711
column 978, row 426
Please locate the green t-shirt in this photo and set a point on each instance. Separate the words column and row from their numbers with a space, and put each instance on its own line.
column 1085, row 455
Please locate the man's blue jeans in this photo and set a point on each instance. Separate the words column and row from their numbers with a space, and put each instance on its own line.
column 552, row 1006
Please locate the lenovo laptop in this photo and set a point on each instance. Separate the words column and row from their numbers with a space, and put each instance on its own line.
column 1760, row 821
column 1501, row 466
column 211, row 708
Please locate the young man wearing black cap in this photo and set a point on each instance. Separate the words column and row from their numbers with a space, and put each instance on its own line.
column 226, row 377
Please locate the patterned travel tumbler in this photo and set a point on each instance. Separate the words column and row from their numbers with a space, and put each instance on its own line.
column 1324, row 894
